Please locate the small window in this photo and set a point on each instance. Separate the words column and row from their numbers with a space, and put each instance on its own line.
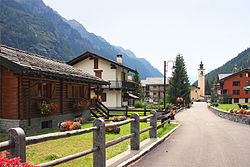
column 236, row 92
column 240, row 75
column 246, row 100
column 236, row 100
column 46, row 124
column 104, row 97
column 95, row 63
column 247, row 74
column 247, row 82
column 236, row 83
column 246, row 91
column 154, row 93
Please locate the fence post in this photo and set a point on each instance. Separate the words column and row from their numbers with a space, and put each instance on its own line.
column 135, row 128
column 17, row 136
column 153, row 122
column 145, row 112
column 99, row 156
column 126, row 111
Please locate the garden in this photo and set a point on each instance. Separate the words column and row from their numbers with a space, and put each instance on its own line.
column 232, row 108
column 54, row 149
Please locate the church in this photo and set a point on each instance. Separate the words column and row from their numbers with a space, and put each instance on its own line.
column 198, row 92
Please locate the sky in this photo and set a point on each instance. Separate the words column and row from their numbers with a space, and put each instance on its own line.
column 213, row 31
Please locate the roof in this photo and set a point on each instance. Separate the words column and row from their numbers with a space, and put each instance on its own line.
column 24, row 62
column 222, row 77
column 88, row 54
column 153, row 81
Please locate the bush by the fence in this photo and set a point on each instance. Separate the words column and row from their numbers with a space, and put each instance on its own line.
column 15, row 162
column 140, row 104
column 215, row 104
column 69, row 125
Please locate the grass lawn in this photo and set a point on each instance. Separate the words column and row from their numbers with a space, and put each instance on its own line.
column 227, row 107
column 54, row 149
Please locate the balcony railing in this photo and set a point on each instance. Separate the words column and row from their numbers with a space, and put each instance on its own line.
column 130, row 85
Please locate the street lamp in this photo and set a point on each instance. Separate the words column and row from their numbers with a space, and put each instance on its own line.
column 164, row 101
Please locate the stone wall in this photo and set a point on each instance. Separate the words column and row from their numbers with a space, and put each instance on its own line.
column 245, row 119
column 36, row 123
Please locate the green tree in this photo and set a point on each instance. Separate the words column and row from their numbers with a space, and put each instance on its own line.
column 138, row 88
column 179, row 85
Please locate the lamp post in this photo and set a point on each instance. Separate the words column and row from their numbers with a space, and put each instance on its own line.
column 164, row 89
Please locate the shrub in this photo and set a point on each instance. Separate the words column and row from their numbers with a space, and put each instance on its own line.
column 46, row 106
column 81, row 120
column 15, row 162
column 242, row 111
column 78, row 104
column 215, row 104
column 119, row 118
column 140, row 104
column 69, row 125
column 115, row 129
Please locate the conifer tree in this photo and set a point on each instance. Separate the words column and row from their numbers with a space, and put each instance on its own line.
column 178, row 84
column 138, row 90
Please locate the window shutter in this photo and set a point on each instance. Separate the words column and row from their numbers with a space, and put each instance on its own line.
column 85, row 91
column 53, row 90
column 34, row 89
column 69, row 91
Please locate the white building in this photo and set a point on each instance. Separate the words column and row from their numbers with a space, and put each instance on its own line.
column 116, row 94
column 153, row 88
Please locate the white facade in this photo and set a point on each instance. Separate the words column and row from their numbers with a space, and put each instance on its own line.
column 114, row 97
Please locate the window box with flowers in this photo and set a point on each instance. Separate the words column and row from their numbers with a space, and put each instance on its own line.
column 46, row 106
column 80, row 104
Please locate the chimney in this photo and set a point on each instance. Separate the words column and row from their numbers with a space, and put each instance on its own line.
column 119, row 59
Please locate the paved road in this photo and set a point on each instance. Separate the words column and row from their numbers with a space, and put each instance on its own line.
column 203, row 140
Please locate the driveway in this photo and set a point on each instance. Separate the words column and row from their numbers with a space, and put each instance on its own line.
column 203, row 140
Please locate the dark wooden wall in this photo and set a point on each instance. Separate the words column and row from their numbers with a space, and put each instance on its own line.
column 9, row 97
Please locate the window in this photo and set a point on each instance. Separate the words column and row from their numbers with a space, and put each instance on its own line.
column 246, row 100
column 104, row 97
column 236, row 100
column 76, row 91
column 225, row 91
column 247, row 74
column 43, row 90
column 95, row 63
column 98, row 73
column 247, row 82
column 236, row 92
column 236, row 83
column 154, row 93
column 246, row 91
column 147, row 87
column 46, row 124
column 154, row 87
column 241, row 75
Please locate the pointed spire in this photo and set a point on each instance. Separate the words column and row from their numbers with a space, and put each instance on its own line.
column 201, row 65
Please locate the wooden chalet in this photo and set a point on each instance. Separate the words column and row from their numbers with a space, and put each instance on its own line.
column 26, row 79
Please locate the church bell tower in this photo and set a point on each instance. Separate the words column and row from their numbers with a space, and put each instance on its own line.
column 201, row 80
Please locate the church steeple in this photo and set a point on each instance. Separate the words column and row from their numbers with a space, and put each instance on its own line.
column 201, row 65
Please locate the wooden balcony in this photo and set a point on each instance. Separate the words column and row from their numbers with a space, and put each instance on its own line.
column 116, row 84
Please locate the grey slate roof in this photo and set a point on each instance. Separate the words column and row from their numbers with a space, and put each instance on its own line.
column 25, row 62
column 153, row 81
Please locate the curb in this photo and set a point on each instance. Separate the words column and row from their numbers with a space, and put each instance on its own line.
column 148, row 149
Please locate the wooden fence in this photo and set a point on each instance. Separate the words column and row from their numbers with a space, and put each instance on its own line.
column 17, row 142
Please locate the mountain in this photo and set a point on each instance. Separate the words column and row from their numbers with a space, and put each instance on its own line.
column 32, row 26
column 102, row 47
column 241, row 60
